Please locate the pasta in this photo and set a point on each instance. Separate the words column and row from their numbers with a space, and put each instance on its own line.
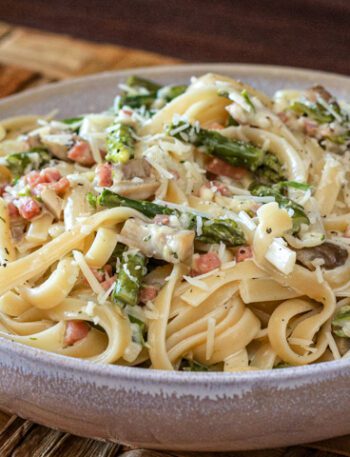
column 194, row 228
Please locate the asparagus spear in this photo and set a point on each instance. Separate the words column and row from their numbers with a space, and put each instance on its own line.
column 21, row 162
column 299, row 216
column 138, row 330
column 168, row 93
column 316, row 111
column 235, row 152
column 136, row 81
column 192, row 365
column 131, row 271
column 154, row 91
column 120, row 143
column 212, row 230
column 117, row 253
column 110, row 199
column 341, row 322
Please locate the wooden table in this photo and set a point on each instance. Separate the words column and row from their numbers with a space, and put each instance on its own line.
column 29, row 58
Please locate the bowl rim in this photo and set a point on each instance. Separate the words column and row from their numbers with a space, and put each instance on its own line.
column 126, row 373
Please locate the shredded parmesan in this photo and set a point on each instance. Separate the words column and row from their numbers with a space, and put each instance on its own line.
column 103, row 298
column 196, row 282
column 89, row 276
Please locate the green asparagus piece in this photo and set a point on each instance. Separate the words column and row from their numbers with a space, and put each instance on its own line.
column 131, row 271
column 316, row 111
column 117, row 253
column 73, row 120
column 282, row 365
column 299, row 217
column 155, row 91
column 21, row 162
column 136, row 81
column 248, row 100
column 192, row 365
column 168, row 93
column 137, row 101
column 110, row 199
column 74, row 123
column 216, row 230
column 138, row 330
column 212, row 230
column 234, row 152
column 120, row 143
column 341, row 322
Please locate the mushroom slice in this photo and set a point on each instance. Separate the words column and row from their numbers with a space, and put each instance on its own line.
column 137, row 189
column 158, row 241
column 332, row 255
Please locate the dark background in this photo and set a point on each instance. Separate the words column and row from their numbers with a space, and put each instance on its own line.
column 304, row 33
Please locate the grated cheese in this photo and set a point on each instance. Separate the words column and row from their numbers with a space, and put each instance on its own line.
column 221, row 251
column 246, row 220
column 199, row 225
column 102, row 298
column 228, row 265
column 196, row 282
column 85, row 269
column 281, row 256
column 132, row 351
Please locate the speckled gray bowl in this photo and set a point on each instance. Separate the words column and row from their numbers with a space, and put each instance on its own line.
column 166, row 410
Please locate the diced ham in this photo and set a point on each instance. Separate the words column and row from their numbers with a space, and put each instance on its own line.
column 75, row 331
column 244, row 253
column 98, row 273
column 148, row 293
column 47, row 178
column 28, row 208
column 34, row 178
column 104, row 175
column 207, row 190
column 310, row 127
column 61, row 186
column 2, row 189
column 220, row 168
column 204, row 263
column 283, row 116
column 81, row 153
column 50, row 174
column 108, row 282
column 12, row 209
column 161, row 219
column 104, row 275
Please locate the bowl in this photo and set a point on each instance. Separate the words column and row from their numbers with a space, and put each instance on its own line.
column 161, row 409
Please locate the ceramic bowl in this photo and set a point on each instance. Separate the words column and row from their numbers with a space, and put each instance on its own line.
column 173, row 410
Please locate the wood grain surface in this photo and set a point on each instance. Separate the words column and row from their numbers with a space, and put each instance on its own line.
column 305, row 33
column 27, row 58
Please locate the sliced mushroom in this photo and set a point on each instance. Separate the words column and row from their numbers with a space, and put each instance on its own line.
column 34, row 141
column 139, row 190
column 58, row 144
column 319, row 91
column 158, row 241
column 52, row 202
column 138, row 168
column 332, row 254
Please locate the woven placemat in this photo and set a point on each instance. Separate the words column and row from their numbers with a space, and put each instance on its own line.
column 30, row 58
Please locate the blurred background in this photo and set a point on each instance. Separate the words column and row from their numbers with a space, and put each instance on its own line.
column 304, row 33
